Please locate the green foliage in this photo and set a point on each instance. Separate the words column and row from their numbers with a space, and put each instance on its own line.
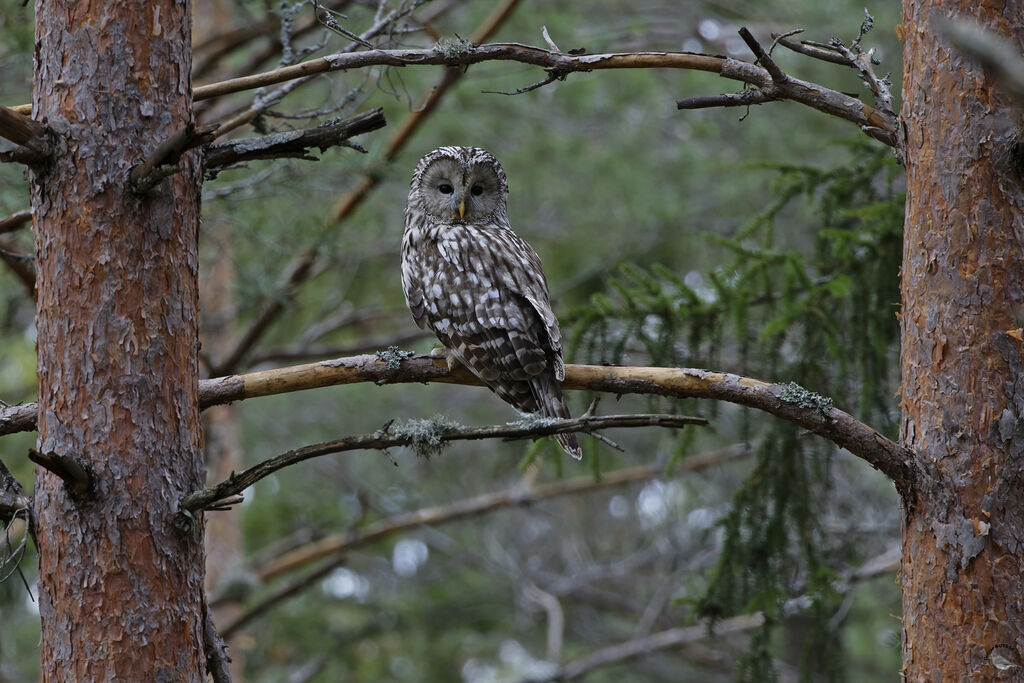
column 822, row 316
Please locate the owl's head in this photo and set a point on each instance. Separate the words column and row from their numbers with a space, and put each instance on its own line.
column 459, row 185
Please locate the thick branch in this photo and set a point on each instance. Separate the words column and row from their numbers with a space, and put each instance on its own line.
column 163, row 161
column 894, row 460
column 384, row 439
column 880, row 125
column 464, row 55
column 19, row 128
column 293, row 143
column 31, row 136
column 70, row 468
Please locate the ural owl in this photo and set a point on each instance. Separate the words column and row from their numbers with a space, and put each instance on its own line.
column 474, row 282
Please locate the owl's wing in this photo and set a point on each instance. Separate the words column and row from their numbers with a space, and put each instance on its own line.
column 521, row 272
column 483, row 293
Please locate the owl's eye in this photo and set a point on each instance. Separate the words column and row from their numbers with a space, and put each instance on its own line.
column 446, row 188
column 476, row 190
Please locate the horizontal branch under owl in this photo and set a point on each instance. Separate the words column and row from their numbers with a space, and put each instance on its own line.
column 426, row 437
column 771, row 81
column 794, row 405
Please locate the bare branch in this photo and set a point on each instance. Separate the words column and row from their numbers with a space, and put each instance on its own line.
column 293, row 143
column 384, row 439
column 32, row 137
column 777, row 74
column 895, row 461
column 70, row 468
column 813, row 50
column 471, row 54
column 744, row 98
column 162, row 162
column 19, row 128
column 15, row 221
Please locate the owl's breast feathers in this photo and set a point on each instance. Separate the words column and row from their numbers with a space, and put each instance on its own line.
column 482, row 291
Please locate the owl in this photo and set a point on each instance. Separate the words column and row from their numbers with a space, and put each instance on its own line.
column 478, row 285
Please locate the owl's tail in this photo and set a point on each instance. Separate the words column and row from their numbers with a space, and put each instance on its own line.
column 548, row 393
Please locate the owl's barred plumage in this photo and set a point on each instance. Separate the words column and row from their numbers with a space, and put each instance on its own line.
column 478, row 285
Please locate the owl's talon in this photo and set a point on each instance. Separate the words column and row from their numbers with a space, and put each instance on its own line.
column 449, row 357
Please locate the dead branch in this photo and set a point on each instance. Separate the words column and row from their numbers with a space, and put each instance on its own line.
column 18, row 128
column 814, row 414
column 465, row 54
column 15, row 221
column 71, row 469
column 164, row 159
column 32, row 137
column 295, row 144
column 439, row 434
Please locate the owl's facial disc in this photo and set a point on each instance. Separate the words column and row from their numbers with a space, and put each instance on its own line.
column 455, row 193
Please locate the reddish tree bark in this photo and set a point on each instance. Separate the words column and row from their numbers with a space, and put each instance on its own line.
column 120, row 588
column 963, row 399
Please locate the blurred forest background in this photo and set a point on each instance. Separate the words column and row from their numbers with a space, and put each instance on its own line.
column 762, row 242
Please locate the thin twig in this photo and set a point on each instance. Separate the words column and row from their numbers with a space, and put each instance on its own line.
column 383, row 439
column 15, row 221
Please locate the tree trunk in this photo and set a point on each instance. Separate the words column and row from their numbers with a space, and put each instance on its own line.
column 120, row 588
column 963, row 398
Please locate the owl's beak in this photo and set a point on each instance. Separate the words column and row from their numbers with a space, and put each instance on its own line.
column 462, row 208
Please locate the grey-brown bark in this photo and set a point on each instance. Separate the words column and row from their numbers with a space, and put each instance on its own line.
column 963, row 399
column 120, row 591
